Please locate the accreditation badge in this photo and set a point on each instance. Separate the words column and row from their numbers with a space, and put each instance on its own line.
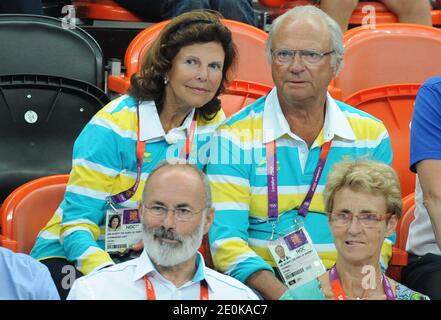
column 296, row 258
column 123, row 229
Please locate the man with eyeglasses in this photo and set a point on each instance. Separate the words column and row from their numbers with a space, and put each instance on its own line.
column 177, row 211
column 270, row 161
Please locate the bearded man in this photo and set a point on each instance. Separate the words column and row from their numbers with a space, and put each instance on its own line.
column 177, row 211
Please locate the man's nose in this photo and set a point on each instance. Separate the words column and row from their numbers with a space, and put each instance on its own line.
column 169, row 219
column 297, row 65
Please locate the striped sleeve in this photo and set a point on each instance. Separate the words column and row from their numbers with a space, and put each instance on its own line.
column 95, row 165
column 231, row 198
column 383, row 151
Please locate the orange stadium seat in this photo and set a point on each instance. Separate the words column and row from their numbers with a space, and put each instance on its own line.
column 408, row 201
column 27, row 210
column 406, row 220
column 407, row 217
column 392, row 104
column 399, row 256
column 103, row 10
column 392, row 53
column 240, row 94
column 252, row 66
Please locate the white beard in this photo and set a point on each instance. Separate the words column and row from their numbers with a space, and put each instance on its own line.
column 167, row 254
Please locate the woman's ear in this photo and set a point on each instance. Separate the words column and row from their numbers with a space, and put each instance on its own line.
column 391, row 225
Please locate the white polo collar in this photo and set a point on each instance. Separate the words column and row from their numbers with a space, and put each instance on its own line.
column 275, row 124
column 151, row 127
column 146, row 267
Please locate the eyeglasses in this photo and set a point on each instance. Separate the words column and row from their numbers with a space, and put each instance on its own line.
column 181, row 214
column 366, row 219
column 284, row 56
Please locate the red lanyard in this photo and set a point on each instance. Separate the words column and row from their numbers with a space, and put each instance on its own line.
column 185, row 152
column 140, row 148
column 337, row 288
column 271, row 160
column 150, row 291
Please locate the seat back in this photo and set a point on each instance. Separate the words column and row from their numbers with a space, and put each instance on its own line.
column 408, row 202
column 44, row 45
column 250, row 42
column 404, row 224
column 389, row 54
column 399, row 254
column 28, row 209
column 240, row 94
column 392, row 104
column 104, row 10
column 40, row 118
column 407, row 219
column 272, row 3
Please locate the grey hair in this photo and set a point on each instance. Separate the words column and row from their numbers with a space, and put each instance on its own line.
column 304, row 12
column 183, row 164
column 368, row 176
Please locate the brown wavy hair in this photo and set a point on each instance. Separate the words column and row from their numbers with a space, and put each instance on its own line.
column 200, row 26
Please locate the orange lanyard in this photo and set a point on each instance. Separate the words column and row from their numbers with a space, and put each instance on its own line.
column 140, row 148
column 152, row 296
column 185, row 152
column 339, row 294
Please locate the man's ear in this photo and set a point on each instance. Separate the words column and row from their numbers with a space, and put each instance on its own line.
column 391, row 225
column 338, row 66
column 209, row 220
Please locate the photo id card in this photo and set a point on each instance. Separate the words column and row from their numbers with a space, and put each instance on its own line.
column 123, row 229
column 296, row 258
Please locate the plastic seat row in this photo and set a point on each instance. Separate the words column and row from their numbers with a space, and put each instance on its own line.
column 30, row 206
column 51, row 84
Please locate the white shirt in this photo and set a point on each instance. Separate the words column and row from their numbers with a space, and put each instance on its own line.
column 421, row 239
column 275, row 124
column 125, row 281
column 152, row 129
